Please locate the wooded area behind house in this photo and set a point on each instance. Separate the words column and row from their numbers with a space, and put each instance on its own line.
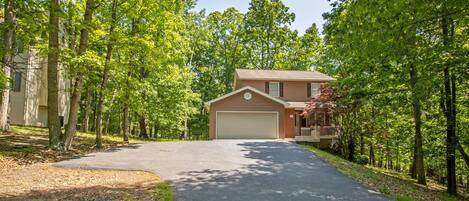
column 145, row 68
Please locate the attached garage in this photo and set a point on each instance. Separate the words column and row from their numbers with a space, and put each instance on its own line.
column 246, row 113
column 247, row 125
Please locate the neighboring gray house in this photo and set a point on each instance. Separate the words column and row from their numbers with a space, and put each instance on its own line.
column 28, row 95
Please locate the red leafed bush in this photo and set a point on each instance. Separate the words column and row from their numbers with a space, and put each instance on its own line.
column 322, row 102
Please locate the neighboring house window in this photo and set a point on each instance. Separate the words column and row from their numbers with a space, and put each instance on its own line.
column 16, row 87
column 62, row 121
column 313, row 89
column 274, row 89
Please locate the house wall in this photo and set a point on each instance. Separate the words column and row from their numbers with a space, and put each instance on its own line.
column 29, row 106
column 35, row 73
column 17, row 98
column 292, row 90
column 290, row 123
column 238, row 103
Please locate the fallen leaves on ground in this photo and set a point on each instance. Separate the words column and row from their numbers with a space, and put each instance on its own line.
column 46, row 182
column 27, row 173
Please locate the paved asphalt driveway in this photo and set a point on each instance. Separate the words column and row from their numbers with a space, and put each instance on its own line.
column 245, row 170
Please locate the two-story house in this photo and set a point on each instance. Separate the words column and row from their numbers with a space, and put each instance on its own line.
column 266, row 104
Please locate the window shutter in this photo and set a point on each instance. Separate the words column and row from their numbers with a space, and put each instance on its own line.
column 281, row 89
column 267, row 87
column 308, row 90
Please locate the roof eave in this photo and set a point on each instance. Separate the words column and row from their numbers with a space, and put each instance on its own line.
column 283, row 79
column 208, row 103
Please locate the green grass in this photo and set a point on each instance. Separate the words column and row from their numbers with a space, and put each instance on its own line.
column 89, row 136
column 163, row 192
column 395, row 185
column 28, row 130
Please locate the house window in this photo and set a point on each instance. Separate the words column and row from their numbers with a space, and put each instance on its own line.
column 16, row 87
column 274, row 89
column 315, row 89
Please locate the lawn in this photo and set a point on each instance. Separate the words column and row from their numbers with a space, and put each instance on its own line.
column 394, row 184
column 27, row 173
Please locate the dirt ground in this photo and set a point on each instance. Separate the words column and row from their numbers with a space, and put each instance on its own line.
column 45, row 182
column 27, row 173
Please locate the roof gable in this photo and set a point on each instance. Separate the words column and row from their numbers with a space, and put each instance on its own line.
column 207, row 104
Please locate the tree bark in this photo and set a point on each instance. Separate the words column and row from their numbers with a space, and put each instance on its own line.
column 78, row 84
column 86, row 116
column 102, row 87
column 413, row 168
column 155, row 134
column 362, row 144
column 143, row 127
column 125, row 124
column 464, row 154
column 372, row 155
column 450, row 120
column 8, row 44
column 420, row 169
column 53, row 121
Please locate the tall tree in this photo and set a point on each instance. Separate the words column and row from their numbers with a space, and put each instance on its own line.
column 450, row 112
column 105, row 75
column 266, row 29
column 52, row 76
column 78, row 81
column 7, row 61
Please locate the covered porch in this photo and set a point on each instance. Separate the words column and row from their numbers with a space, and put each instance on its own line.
column 315, row 127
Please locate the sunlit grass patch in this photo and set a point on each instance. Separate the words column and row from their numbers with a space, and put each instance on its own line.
column 163, row 192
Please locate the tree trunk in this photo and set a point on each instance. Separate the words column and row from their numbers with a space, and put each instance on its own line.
column 150, row 131
column 420, row 169
column 125, row 124
column 53, row 121
column 463, row 154
column 450, row 139
column 78, row 84
column 86, row 116
column 372, row 155
column 186, row 131
column 8, row 44
column 102, row 87
column 143, row 127
column 413, row 168
column 450, row 120
column 362, row 144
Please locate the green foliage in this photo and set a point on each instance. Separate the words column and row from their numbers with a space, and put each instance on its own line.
column 3, row 80
column 361, row 159
column 371, row 47
column 162, row 192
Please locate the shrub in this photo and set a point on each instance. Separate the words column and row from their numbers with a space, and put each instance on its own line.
column 361, row 159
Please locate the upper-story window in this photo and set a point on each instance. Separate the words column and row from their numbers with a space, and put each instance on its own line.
column 274, row 89
column 314, row 88
column 16, row 87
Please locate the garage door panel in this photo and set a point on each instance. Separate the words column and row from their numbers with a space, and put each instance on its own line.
column 245, row 125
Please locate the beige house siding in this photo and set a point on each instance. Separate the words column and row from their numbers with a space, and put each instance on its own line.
column 292, row 90
column 17, row 100
column 29, row 106
column 236, row 102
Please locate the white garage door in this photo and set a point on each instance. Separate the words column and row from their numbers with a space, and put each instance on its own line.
column 247, row 125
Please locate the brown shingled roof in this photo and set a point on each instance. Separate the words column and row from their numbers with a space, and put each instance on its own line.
column 245, row 74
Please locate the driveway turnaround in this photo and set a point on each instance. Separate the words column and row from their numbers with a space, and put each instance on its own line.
column 245, row 170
